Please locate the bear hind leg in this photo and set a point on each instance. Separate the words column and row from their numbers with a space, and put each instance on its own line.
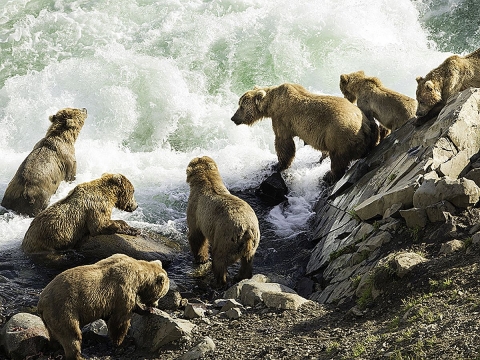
column 339, row 164
column 199, row 246
column 117, row 328
column 246, row 269
column 70, row 337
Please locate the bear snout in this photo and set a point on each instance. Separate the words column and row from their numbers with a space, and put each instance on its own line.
column 131, row 207
column 84, row 110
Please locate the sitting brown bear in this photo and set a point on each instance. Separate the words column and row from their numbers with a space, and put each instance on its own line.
column 389, row 107
column 454, row 75
column 51, row 161
column 85, row 211
column 219, row 220
column 108, row 289
column 327, row 123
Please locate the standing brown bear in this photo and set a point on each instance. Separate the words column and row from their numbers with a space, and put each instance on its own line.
column 220, row 221
column 85, row 211
column 110, row 289
column 389, row 107
column 51, row 161
column 454, row 75
column 327, row 123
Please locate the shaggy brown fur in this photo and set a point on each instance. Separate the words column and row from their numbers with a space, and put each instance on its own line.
column 51, row 161
column 455, row 74
column 85, row 211
column 110, row 289
column 220, row 221
column 390, row 108
column 327, row 123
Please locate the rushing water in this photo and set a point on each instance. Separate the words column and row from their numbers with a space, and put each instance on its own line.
column 161, row 80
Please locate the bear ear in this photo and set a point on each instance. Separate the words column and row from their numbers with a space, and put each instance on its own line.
column 158, row 262
column 259, row 95
column 419, row 79
column 344, row 78
column 51, row 118
column 429, row 85
column 116, row 179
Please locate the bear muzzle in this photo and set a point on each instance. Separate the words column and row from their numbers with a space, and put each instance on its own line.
column 131, row 207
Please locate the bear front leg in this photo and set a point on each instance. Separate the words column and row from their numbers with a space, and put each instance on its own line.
column 117, row 327
column 219, row 269
column 119, row 227
column 199, row 246
column 285, row 149
column 71, row 171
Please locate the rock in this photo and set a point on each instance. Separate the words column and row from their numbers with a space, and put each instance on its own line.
column 283, row 301
column 393, row 211
column 404, row 262
column 194, row 310
column 231, row 304
column 377, row 205
column 374, row 242
column 460, row 192
column 234, row 291
column 438, row 211
column 201, row 348
column 252, row 293
column 233, row 313
column 152, row 331
column 452, row 246
column 148, row 246
column 96, row 331
column 415, row 217
column 172, row 300
column 305, row 286
column 24, row 335
column 273, row 190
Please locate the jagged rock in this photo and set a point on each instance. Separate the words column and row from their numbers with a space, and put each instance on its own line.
column 283, row 301
column 201, row 348
column 235, row 291
column 393, row 211
column 24, row 335
column 252, row 293
column 152, row 331
column 404, row 262
column 172, row 299
column 233, row 313
column 374, row 242
column 438, row 212
column 231, row 304
column 378, row 204
column 415, row 217
column 148, row 246
column 452, row 246
column 95, row 331
column 273, row 189
column 474, row 175
column 194, row 310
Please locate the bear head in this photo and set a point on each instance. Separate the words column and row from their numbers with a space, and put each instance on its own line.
column 67, row 119
column 201, row 168
column 429, row 94
column 251, row 107
column 124, row 191
column 348, row 84
column 156, row 284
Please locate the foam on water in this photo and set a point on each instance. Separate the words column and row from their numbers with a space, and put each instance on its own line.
column 161, row 80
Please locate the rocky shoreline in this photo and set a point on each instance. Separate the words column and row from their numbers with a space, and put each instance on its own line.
column 390, row 270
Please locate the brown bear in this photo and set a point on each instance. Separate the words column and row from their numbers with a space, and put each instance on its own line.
column 220, row 221
column 110, row 289
column 389, row 107
column 455, row 74
column 85, row 211
column 51, row 161
column 327, row 123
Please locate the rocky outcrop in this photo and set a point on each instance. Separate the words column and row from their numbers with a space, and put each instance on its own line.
column 414, row 177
